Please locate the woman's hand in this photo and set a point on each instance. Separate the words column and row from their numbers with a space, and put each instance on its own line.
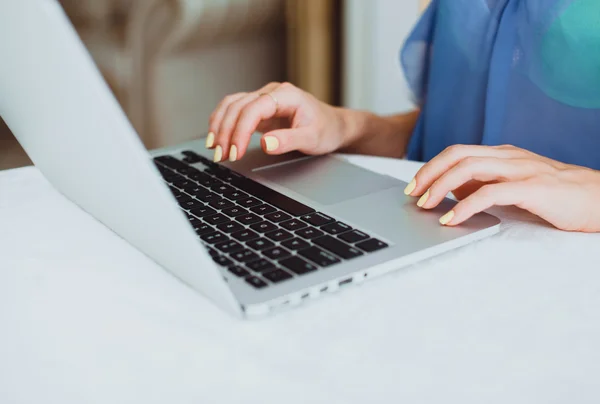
column 567, row 196
column 291, row 119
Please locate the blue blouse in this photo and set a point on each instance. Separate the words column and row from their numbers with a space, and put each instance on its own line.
column 520, row 72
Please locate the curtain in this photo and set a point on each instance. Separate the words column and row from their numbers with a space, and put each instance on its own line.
column 314, row 47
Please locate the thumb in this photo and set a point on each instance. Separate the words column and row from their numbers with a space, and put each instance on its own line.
column 286, row 140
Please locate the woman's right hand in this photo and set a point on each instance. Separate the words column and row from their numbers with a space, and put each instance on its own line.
column 289, row 118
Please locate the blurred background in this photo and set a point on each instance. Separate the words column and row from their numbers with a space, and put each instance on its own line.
column 169, row 62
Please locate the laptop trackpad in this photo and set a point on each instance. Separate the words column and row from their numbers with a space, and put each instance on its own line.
column 326, row 180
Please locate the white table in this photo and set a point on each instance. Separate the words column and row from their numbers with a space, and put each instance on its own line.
column 85, row 318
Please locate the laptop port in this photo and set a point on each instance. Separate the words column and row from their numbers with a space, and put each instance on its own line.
column 345, row 281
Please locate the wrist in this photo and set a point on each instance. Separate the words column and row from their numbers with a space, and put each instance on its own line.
column 368, row 133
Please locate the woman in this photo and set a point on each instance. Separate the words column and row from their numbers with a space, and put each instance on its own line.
column 509, row 96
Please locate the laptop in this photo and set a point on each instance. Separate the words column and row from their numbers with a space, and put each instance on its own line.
column 255, row 236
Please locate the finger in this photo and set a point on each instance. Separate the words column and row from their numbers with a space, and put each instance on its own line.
column 501, row 194
column 451, row 156
column 286, row 140
column 483, row 169
column 217, row 116
column 228, row 123
column 261, row 109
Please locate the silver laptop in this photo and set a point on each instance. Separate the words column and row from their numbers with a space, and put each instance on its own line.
column 254, row 236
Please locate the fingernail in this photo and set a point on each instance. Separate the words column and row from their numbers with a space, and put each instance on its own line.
column 210, row 140
column 233, row 153
column 218, row 154
column 423, row 199
column 410, row 187
column 447, row 218
column 272, row 143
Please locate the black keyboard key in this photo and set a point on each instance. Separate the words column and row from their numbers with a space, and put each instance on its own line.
column 310, row 233
column 213, row 253
column 203, row 211
column 182, row 198
column 279, row 275
column 191, row 157
column 354, row 236
column 222, row 261
column 170, row 162
column 209, row 197
column 230, row 227
column 235, row 211
column 293, row 224
column 295, row 244
column 226, row 175
column 192, row 219
column 229, row 246
column 336, row 228
column 245, row 235
column 238, row 271
column 221, row 204
column 318, row 219
column 248, row 219
column 202, row 229
column 214, row 169
column 205, row 180
column 248, row 202
column 319, row 257
column 279, row 235
column 276, row 253
column 214, row 237
column 187, row 170
column 216, row 219
column 198, row 191
column 261, row 265
column 337, row 247
column 174, row 191
column 260, row 244
column 297, row 265
column 371, row 245
column 235, row 195
column 221, row 188
column 166, row 173
column 256, row 282
column 278, row 217
column 263, row 227
column 244, row 256
column 176, row 179
column 184, row 184
column 263, row 209
column 164, row 170
column 272, row 197
column 191, row 204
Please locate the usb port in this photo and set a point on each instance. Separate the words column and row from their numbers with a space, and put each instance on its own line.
column 345, row 281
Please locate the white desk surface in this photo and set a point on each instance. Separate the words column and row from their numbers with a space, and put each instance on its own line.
column 85, row 318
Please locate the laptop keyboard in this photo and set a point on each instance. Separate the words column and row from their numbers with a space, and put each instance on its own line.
column 255, row 232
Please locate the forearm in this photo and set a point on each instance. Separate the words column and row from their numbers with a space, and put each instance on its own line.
column 375, row 135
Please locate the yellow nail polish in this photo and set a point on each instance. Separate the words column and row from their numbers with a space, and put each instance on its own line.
column 447, row 218
column 210, row 140
column 423, row 199
column 272, row 143
column 410, row 187
column 233, row 153
column 218, row 154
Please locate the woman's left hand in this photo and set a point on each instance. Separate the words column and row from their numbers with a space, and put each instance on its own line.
column 480, row 177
